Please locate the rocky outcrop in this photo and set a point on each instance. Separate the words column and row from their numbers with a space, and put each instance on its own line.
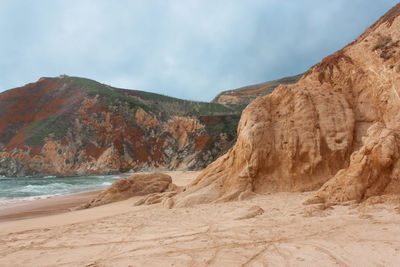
column 291, row 140
column 136, row 185
column 374, row 170
column 340, row 121
column 11, row 167
column 70, row 126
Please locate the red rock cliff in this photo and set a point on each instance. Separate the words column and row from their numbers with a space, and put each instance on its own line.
column 73, row 126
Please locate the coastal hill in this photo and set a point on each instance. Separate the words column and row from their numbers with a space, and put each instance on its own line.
column 337, row 130
column 75, row 126
column 244, row 95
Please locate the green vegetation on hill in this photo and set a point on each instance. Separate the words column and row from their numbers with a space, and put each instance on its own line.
column 224, row 124
column 195, row 107
column 157, row 97
column 109, row 94
column 192, row 108
column 152, row 102
column 229, row 127
column 54, row 126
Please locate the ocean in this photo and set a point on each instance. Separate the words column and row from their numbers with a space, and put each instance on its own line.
column 24, row 188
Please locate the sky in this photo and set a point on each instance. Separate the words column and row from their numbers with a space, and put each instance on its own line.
column 190, row 49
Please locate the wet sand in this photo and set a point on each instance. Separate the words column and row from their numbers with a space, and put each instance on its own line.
column 42, row 207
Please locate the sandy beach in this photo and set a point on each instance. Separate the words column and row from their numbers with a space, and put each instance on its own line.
column 267, row 230
column 43, row 207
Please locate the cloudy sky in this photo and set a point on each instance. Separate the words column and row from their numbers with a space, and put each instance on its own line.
column 191, row 49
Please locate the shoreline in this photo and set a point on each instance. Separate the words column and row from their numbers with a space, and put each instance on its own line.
column 43, row 207
column 54, row 205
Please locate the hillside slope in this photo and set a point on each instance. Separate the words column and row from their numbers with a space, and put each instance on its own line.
column 338, row 127
column 74, row 126
column 244, row 95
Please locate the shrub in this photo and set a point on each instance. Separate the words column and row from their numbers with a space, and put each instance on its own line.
column 382, row 42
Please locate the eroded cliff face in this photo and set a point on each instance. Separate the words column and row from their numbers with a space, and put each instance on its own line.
column 73, row 126
column 340, row 123
column 374, row 170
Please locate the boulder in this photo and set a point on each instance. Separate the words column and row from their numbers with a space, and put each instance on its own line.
column 136, row 185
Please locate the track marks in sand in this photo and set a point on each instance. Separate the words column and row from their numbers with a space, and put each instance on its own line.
column 210, row 235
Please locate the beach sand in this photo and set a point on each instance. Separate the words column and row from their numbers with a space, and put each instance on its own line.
column 42, row 207
column 238, row 233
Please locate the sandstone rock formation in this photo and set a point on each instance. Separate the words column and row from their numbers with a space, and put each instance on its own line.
column 374, row 169
column 74, row 126
column 340, row 121
column 136, row 185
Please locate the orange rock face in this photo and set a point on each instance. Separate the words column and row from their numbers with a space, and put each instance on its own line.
column 374, row 169
column 135, row 185
column 338, row 125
